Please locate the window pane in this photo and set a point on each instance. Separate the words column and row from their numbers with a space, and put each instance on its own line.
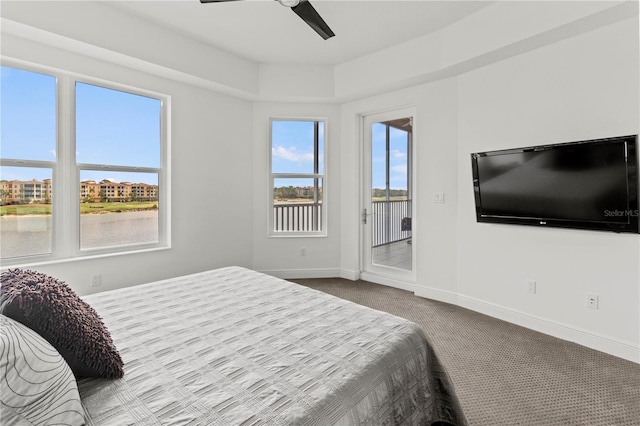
column 297, row 205
column 116, row 128
column 321, row 147
column 25, row 211
column 396, row 172
column 292, row 147
column 378, row 160
column 27, row 115
column 118, row 208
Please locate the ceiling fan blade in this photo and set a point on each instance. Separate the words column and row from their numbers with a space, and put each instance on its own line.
column 214, row 1
column 312, row 18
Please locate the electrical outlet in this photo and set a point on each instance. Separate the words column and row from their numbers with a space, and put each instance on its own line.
column 303, row 251
column 438, row 197
column 531, row 286
column 96, row 280
column 593, row 300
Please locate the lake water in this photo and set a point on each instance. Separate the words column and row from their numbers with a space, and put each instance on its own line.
column 29, row 235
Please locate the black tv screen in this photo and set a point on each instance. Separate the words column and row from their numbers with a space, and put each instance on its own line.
column 589, row 184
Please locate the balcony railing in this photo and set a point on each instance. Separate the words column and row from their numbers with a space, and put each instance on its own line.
column 307, row 217
column 387, row 221
column 302, row 217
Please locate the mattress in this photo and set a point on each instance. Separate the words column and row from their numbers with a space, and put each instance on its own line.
column 236, row 347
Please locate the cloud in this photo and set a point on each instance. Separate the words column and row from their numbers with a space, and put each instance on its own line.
column 291, row 154
column 398, row 154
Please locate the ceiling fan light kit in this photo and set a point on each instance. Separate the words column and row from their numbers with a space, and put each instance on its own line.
column 289, row 3
column 304, row 10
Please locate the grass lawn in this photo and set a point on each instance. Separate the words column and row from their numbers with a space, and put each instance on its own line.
column 85, row 208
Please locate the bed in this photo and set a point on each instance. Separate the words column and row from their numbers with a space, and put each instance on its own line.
column 233, row 346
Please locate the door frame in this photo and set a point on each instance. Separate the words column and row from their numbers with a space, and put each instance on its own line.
column 381, row 274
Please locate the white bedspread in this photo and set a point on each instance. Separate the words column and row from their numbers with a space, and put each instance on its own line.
column 236, row 347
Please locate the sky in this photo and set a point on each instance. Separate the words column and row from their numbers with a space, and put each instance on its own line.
column 292, row 152
column 123, row 129
column 112, row 127
column 397, row 157
column 292, row 146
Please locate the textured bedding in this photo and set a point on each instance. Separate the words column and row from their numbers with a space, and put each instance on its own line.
column 236, row 347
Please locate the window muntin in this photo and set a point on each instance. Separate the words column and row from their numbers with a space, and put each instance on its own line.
column 28, row 156
column 297, row 177
column 48, row 164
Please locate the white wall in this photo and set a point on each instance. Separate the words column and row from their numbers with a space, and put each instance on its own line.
column 211, row 178
column 580, row 88
column 278, row 255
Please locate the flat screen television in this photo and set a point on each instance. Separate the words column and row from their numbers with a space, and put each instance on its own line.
column 591, row 184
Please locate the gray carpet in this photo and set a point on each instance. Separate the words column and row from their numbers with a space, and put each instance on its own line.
column 505, row 374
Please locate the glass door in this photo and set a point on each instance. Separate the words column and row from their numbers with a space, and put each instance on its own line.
column 387, row 214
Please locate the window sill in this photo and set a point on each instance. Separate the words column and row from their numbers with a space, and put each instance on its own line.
column 60, row 261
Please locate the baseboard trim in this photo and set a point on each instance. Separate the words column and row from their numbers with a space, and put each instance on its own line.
column 591, row 340
column 378, row 279
column 303, row 273
column 348, row 274
column 562, row 331
column 436, row 294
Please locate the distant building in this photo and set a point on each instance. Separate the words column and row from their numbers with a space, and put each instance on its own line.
column 114, row 191
column 307, row 191
column 17, row 191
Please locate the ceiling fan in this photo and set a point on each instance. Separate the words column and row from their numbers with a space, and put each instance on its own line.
column 303, row 9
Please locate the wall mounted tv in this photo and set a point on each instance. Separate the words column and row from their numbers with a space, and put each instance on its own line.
column 590, row 184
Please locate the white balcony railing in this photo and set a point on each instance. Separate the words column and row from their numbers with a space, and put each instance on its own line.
column 387, row 219
column 297, row 217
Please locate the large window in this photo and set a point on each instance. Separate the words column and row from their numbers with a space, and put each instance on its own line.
column 82, row 168
column 297, row 177
column 118, row 155
column 28, row 117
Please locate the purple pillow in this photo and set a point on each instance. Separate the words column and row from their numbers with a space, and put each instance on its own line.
column 50, row 308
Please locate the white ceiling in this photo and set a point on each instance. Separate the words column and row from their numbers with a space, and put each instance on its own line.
column 266, row 32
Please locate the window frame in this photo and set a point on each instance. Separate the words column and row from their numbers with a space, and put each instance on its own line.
column 323, row 232
column 65, row 204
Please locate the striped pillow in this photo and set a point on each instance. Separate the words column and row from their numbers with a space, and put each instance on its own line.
column 38, row 386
